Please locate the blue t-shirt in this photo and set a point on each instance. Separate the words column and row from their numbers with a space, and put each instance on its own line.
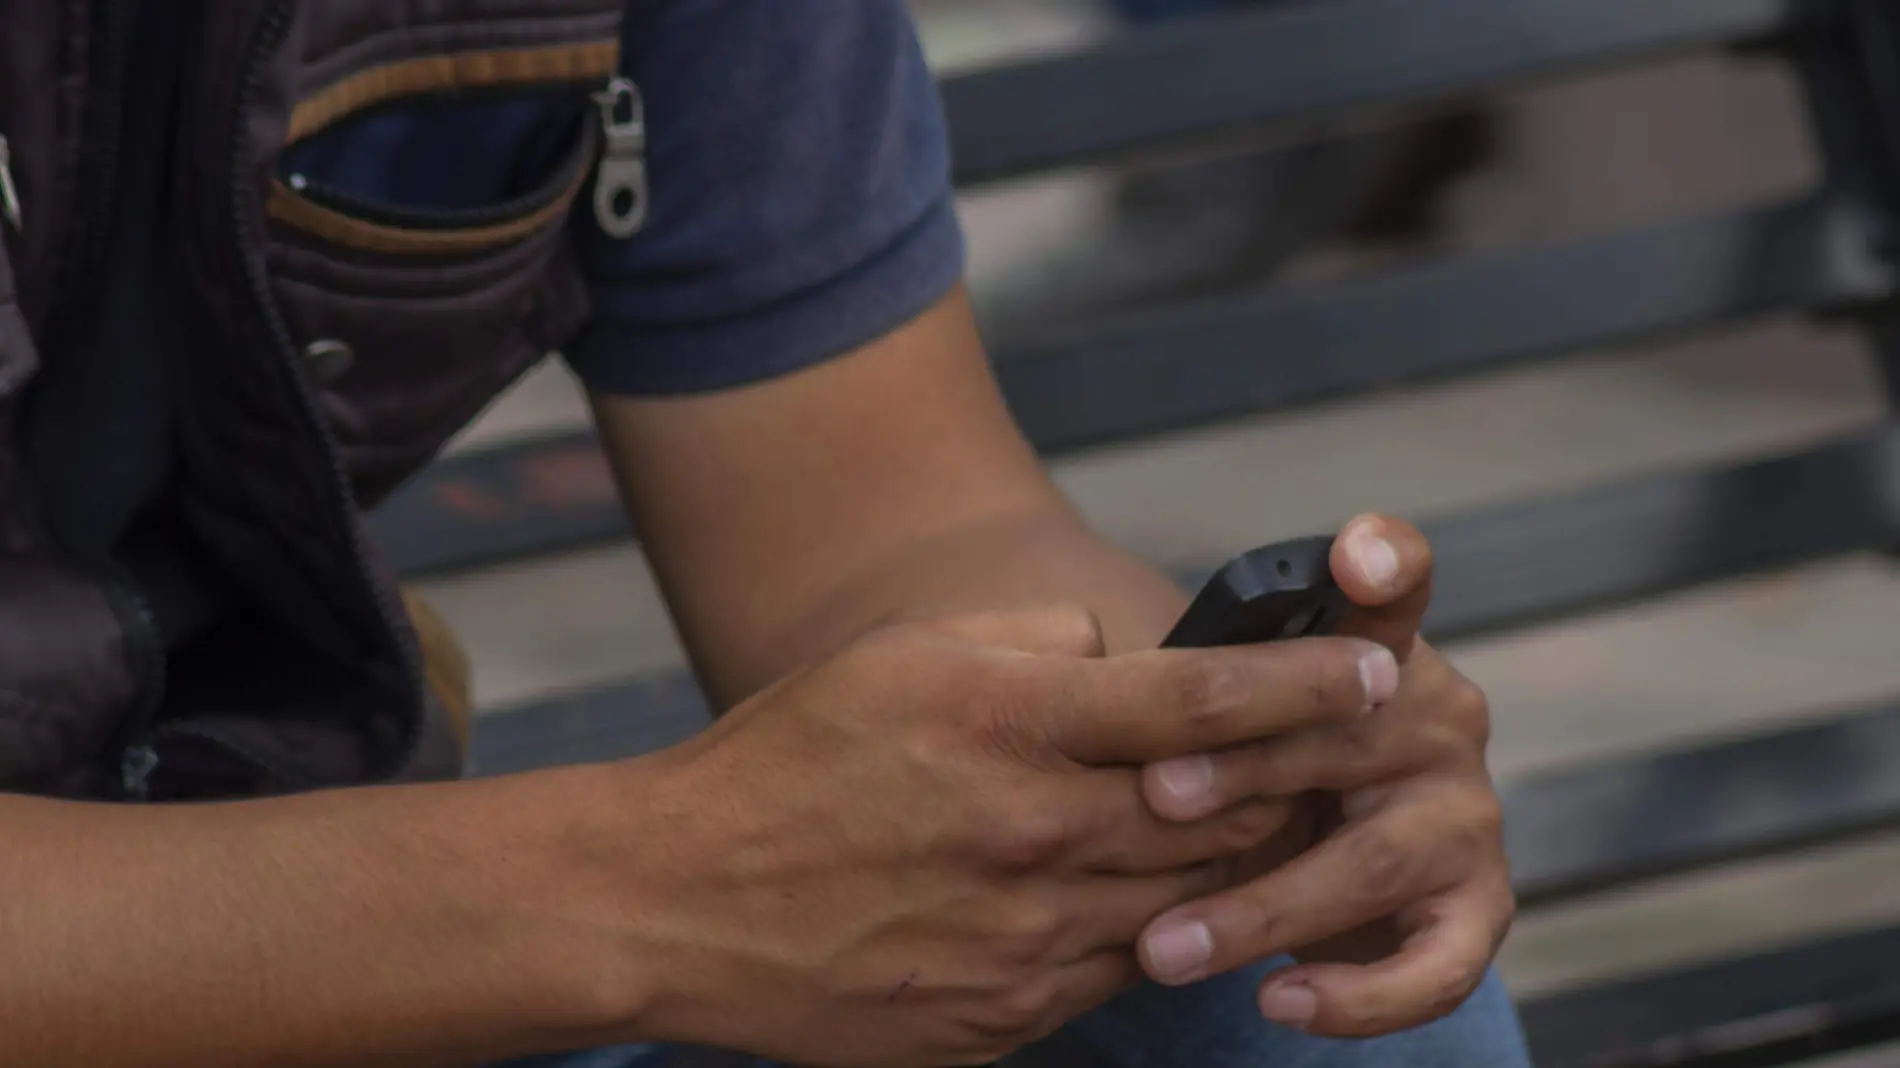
column 801, row 200
column 800, row 187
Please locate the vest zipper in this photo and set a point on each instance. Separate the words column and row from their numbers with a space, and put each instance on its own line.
column 9, row 193
column 98, row 197
column 98, row 170
column 271, row 31
column 136, row 765
column 146, row 657
column 620, row 180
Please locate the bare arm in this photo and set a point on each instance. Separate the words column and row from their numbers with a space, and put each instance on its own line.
column 410, row 925
column 787, row 518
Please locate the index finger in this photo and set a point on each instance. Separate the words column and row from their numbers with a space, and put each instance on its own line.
column 1149, row 706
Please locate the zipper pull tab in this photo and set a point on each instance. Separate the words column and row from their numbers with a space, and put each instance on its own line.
column 620, row 181
column 9, row 193
column 136, row 766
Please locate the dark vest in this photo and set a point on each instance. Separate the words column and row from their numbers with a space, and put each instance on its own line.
column 329, row 350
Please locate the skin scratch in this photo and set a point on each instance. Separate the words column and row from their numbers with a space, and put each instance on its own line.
column 909, row 981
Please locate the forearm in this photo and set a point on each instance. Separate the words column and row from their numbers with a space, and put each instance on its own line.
column 413, row 925
column 1042, row 556
column 1034, row 556
column 786, row 518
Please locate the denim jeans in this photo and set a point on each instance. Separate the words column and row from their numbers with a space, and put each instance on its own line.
column 1209, row 1025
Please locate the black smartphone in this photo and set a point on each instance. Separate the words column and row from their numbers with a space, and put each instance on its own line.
column 1282, row 591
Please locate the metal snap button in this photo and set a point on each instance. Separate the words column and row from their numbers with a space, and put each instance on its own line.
column 328, row 359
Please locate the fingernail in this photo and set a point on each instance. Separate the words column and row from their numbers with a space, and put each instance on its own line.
column 1179, row 950
column 1374, row 557
column 1289, row 1005
column 1189, row 780
column 1379, row 671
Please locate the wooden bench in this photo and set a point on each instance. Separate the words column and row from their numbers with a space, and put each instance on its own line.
column 1572, row 833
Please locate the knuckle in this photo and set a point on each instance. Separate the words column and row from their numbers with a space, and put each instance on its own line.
column 997, row 722
column 1027, row 1009
column 1383, row 866
column 1468, row 711
column 1250, row 825
column 1259, row 924
column 1332, row 682
column 1274, row 768
column 1352, row 1019
column 1486, row 817
column 1472, row 831
column 1413, row 545
column 1004, row 709
column 1017, row 1016
column 1449, row 987
column 1029, row 932
column 1438, row 745
column 1363, row 745
column 892, row 665
column 1075, row 629
column 1506, row 911
column 1209, row 690
column 1208, row 877
column 1021, row 836
column 877, row 648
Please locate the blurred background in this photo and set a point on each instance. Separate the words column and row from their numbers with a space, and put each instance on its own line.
column 1561, row 160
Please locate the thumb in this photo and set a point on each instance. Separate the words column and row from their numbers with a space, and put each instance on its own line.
column 1384, row 566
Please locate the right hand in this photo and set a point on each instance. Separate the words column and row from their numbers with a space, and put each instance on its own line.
column 932, row 849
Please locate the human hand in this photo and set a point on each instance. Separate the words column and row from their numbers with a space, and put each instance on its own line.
column 933, row 849
column 1401, row 904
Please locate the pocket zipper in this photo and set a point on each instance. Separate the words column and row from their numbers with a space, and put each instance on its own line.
column 415, row 218
column 620, row 180
column 9, row 193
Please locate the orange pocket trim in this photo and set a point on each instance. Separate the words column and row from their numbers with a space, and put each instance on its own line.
column 288, row 207
column 463, row 70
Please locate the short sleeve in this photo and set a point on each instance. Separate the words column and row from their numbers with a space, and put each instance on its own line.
column 800, row 205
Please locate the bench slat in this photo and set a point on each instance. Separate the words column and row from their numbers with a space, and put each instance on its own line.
column 1546, row 559
column 1582, row 830
column 1222, row 358
column 1201, row 361
column 1221, row 71
column 1782, row 1007
column 499, row 504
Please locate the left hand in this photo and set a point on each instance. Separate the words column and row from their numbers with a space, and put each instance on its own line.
column 1394, row 894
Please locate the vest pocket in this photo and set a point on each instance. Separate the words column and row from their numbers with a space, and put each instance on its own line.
column 441, row 176
column 332, row 214
column 418, row 254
